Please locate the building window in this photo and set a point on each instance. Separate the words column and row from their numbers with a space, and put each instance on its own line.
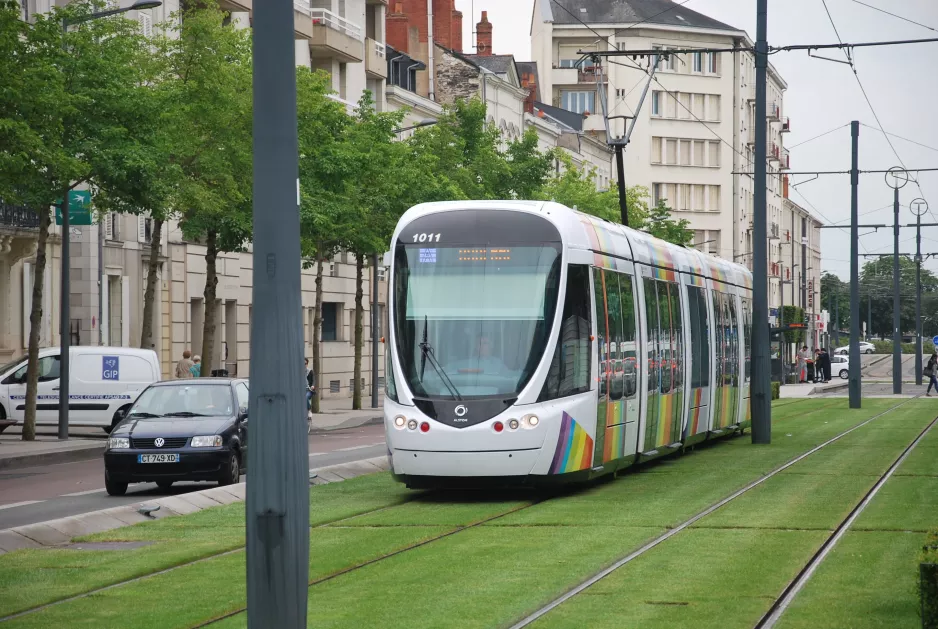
column 671, row 152
column 699, row 152
column 713, row 63
column 698, row 61
column 714, row 155
column 656, row 103
column 699, row 100
column 714, row 110
column 330, row 321
column 578, row 102
column 698, row 200
column 656, row 150
column 714, row 199
column 685, row 153
column 569, row 63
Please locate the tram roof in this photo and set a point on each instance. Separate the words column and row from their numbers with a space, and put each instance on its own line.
column 611, row 242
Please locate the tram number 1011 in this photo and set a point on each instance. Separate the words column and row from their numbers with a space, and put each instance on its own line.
column 427, row 237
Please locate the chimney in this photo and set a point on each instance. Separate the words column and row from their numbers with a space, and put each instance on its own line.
column 396, row 25
column 457, row 30
column 484, row 35
column 785, row 187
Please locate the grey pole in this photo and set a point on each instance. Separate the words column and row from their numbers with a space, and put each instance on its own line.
column 919, row 206
column 277, row 510
column 761, row 397
column 64, row 315
column 869, row 316
column 854, row 371
column 896, row 333
column 374, row 331
column 620, row 172
column 837, row 319
column 101, row 236
column 896, row 178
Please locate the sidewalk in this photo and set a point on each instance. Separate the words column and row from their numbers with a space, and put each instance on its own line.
column 336, row 414
column 787, row 391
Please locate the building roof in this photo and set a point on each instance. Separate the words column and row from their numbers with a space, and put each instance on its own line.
column 570, row 119
column 665, row 12
column 499, row 64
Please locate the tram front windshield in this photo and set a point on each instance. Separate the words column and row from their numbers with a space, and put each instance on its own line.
column 473, row 321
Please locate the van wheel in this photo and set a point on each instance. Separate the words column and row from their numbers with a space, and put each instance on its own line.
column 114, row 488
column 231, row 475
column 3, row 413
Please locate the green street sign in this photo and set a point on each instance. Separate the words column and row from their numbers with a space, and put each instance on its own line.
column 79, row 208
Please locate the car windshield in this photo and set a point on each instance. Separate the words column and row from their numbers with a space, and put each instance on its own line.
column 190, row 400
column 473, row 321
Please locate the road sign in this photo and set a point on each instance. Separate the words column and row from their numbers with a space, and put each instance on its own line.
column 79, row 208
column 110, row 368
column 935, row 340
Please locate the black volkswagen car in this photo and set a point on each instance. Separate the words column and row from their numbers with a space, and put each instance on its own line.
column 193, row 430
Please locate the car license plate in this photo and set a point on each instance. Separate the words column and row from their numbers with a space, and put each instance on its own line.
column 158, row 458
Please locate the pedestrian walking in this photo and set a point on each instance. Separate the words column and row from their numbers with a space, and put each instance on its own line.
column 826, row 363
column 196, row 368
column 310, row 385
column 184, row 366
column 803, row 365
column 931, row 370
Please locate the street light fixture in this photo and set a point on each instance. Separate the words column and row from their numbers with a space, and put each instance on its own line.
column 64, row 298
column 426, row 122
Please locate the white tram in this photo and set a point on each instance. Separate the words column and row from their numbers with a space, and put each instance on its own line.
column 531, row 341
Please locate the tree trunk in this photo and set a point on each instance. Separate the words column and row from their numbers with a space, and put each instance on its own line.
column 211, row 284
column 153, row 264
column 317, row 336
column 35, row 321
column 359, row 338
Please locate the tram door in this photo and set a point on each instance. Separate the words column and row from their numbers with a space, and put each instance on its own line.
column 665, row 356
column 727, row 359
column 699, row 323
column 617, row 408
column 746, row 414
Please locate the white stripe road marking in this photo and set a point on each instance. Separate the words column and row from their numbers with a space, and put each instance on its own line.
column 20, row 504
column 370, row 445
column 83, row 493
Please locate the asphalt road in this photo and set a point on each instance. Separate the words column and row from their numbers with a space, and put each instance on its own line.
column 37, row 494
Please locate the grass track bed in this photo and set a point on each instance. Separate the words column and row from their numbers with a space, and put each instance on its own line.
column 496, row 573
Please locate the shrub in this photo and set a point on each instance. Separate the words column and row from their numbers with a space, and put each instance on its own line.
column 928, row 581
column 775, row 389
column 885, row 347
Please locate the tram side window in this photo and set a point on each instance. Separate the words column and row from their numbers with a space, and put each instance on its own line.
column 732, row 349
column 617, row 385
column 718, row 333
column 628, row 346
column 651, row 317
column 699, row 337
column 666, row 346
column 747, row 340
column 570, row 368
column 602, row 338
column 677, row 335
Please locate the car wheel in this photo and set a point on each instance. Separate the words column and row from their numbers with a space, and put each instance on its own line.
column 844, row 374
column 869, row 351
column 231, row 475
column 113, row 487
column 164, row 484
column 3, row 413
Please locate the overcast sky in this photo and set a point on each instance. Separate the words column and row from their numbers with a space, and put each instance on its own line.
column 901, row 81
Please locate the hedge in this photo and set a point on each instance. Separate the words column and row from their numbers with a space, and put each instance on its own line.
column 775, row 390
column 928, row 581
column 885, row 347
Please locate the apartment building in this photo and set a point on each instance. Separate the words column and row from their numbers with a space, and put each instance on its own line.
column 798, row 269
column 696, row 127
column 346, row 38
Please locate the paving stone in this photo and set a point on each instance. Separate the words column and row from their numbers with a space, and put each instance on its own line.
column 42, row 534
column 221, row 495
column 127, row 515
column 85, row 524
column 328, row 475
column 173, row 503
column 198, row 499
column 11, row 540
column 239, row 490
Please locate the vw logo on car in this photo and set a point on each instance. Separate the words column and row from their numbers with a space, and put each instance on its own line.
column 159, row 442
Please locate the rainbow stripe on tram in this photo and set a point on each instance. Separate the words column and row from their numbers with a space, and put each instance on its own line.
column 574, row 448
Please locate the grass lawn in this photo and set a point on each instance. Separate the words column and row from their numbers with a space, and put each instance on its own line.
column 491, row 575
column 29, row 578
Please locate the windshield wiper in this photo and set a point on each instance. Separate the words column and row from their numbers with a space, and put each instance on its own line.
column 143, row 414
column 427, row 352
column 185, row 414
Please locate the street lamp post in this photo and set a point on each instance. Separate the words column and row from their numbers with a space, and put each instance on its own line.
column 919, row 207
column 896, row 178
column 64, row 298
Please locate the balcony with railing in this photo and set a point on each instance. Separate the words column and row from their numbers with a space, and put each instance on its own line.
column 785, row 160
column 773, row 111
column 16, row 217
column 565, row 76
column 330, row 36
column 786, row 124
column 376, row 62
column 773, row 152
column 773, row 231
column 590, row 74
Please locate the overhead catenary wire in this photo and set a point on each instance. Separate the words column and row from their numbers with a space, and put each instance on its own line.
column 904, row 19
column 930, row 148
column 817, row 137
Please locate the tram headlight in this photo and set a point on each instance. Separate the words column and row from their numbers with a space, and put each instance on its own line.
column 412, row 424
column 513, row 424
column 400, row 421
column 530, row 421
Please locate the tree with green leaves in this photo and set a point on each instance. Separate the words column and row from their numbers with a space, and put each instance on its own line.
column 206, row 91
column 660, row 225
column 58, row 116
column 325, row 180
column 876, row 289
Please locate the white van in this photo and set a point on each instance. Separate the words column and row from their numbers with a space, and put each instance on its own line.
column 104, row 381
